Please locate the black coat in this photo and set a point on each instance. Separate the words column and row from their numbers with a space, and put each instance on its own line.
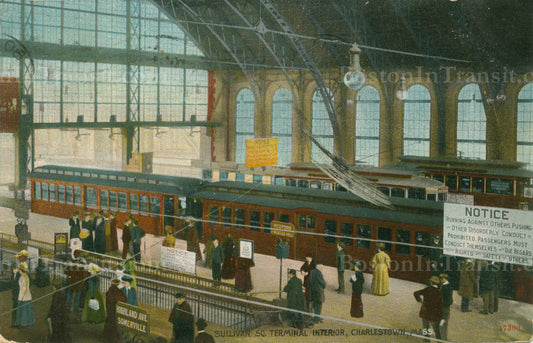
column 316, row 286
column 295, row 294
column 357, row 285
column 446, row 291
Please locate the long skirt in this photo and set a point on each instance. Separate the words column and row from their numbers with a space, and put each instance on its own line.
column 25, row 315
column 91, row 315
column 229, row 268
column 243, row 280
column 356, row 310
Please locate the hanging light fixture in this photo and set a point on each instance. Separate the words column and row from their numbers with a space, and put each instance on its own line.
column 354, row 78
column 402, row 92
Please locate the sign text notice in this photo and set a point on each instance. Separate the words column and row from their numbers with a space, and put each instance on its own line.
column 488, row 233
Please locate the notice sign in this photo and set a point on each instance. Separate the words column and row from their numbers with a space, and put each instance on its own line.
column 132, row 318
column 488, row 233
column 261, row 152
column 177, row 259
column 286, row 227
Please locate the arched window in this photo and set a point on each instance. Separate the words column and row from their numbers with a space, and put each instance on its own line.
column 416, row 120
column 524, row 129
column 282, row 124
column 471, row 123
column 322, row 129
column 367, row 126
column 244, row 123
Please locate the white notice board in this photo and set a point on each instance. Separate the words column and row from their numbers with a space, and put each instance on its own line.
column 177, row 259
column 488, row 233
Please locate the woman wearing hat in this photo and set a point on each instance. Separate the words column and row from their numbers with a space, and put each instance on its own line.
column 99, row 233
column 94, row 311
column 25, row 315
column 380, row 266
column 357, row 281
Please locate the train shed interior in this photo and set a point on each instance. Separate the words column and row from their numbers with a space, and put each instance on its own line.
column 305, row 123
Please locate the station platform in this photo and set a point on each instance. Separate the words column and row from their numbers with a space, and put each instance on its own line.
column 385, row 317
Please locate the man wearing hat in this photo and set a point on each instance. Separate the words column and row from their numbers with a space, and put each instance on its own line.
column 112, row 297
column 182, row 320
column 57, row 314
column 217, row 257
column 341, row 256
column 295, row 299
column 446, row 291
column 202, row 336
column 316, row 290
column 129, row 292
column 431, row 310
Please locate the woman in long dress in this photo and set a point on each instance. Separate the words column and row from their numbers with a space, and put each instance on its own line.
column 380, row 266
column 25, row 315
column 94, row 310
column 357, row 280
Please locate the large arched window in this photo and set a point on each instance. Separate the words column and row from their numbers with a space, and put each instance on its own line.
column 282, row 124
column 471, row 123
column 367, row 126
column 322, row 129
column 524, row 129
column 416, row 120
column 244, row 123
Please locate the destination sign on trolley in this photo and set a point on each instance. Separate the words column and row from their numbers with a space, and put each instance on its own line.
column 488, row 233
column 282, row 229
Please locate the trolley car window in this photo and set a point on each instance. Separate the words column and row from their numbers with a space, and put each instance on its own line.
column 223, row 176
column 37, row 188
column 134, row 207
column 77, row 195
column 303, row 183
column 155, row 205
column 143, row 203
column 451, row 182
column 431, row 197
column 279, row 181
column 403, row 236
column 52, row 192
column 477, row 184
column 439, row 177
column 385, row 234
column 494, row 186
column 213, row 214
column 422, row 238
column 397, row 192
column 113, row 200
column 328, row 186
column 284, row 218
column 347, row 231
column 239, row 177
column 103, row 200
column 416, row 193
column 239, row 218
column 384, row 190
column 60, row 193
column 226, row 216
column 464, row 184
column 257, row 179
column 315, row 185
column 330, row 229
column 268, row 217
column 91, row 197
column 290, row 182
column 340, row 188
column 363, row 231
column 306, row 222
column 122, row 202
column 255, row 220
column 44, row 191
column 68, row 194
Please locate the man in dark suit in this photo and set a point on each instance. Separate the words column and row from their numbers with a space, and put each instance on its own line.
column 431, row 310
column 217, row 257
column 137, row 234
column 295, row 299
column 316, row 291
column 341, row 259
column 488, row 287
column 446, row 291
column 202, row 336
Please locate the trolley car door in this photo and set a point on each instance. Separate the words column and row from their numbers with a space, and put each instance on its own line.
column 168, row 211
